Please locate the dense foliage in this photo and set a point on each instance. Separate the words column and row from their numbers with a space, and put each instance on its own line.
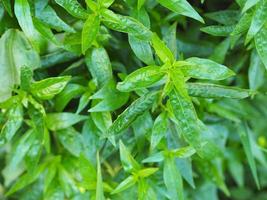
column 133, row 99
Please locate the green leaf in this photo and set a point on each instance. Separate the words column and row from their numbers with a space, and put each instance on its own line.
column 200, row 68
column 26, row 75
column 8, row 7
column 140, row 3
column 23, row 14
column 162, row 51
column 186, row 117
column 258, row 20
column 141, row 78
column 15, row 52
column 256, row 71
column 98, row 63
column 125, row 184
column 106, row 3
column 249, row 4
column 183, row 152
column 159, row 129
column 141, row 49
column 125, row 24
column 261, row 44
column 45, row 31
column 181, row 7
column 244, row 132
column 147, row 172
column 50, row 18
column 225, row 17
column 209, row 90
column 68, row 93
column 73, row 8
column 71, row 140
column 126, row 118
column 217, row 30
column 172, row 180
column 19, row 150
column 83, row 102
column 34, row 154
column 90, row 31
column 47, row 88
column 99, row 183
column 129, row 164
column 243, row 24
column 12, row 125
column 157, row 157
column 111, row 98
column 220, row 51
column 57, row 121
column 25, row 180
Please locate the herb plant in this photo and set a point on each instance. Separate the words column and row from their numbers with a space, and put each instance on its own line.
column 133, row 99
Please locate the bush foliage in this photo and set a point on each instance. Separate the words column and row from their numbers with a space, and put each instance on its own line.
column 133, row 99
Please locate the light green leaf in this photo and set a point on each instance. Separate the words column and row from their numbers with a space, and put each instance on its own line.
column 125, row 184
column 141, row 78
column 128, row 162
column 209, row 90
column 90, row 31
column 23, row 14
column 183, row 152
column 181, row 7
column 15, row 52
column 162, row 51
column 156, row 157
column 201, row 68
column 73, row 8
column 147, row 172
column 48, row 88
column 57, row 121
